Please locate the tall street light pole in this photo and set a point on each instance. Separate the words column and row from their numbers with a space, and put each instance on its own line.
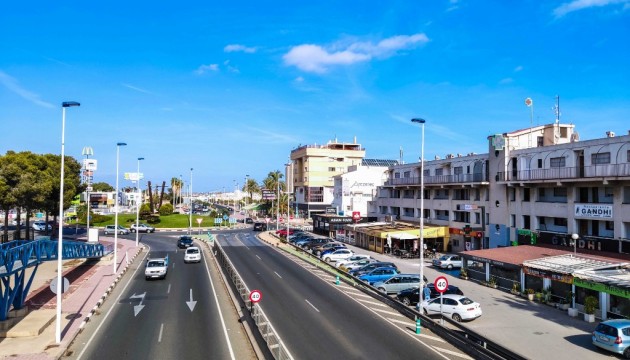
column 421, row 245
column 64, row 105
column 191, row 204
column 118, row 145
column 138, row 200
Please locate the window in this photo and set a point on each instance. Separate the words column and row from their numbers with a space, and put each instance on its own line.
column 458, row 170
column 540, row 141
column 407, row 174
column 540, row 163
column 397, row 175
column 608, row 192
column 331, row 169
column 541, row 192
column 628, row 156
column 512, row 220
column 559, row 192
column 557, row 162
column 526, row 222
column 462, row 216
column 439, row 172
column 512, row 194
column 525, row 194
column 560, row 221
column 426, row 172
column 610, row 225
column 598, row 159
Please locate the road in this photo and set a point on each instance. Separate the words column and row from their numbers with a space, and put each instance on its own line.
column 175, row 318
column 315, row 319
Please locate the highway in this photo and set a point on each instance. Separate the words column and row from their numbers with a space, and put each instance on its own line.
column 312, row 317
column 175, row 318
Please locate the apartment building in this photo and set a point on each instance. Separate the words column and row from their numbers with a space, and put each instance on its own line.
column 312, row 170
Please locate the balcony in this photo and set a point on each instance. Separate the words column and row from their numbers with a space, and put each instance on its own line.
column 594, row 171
column 440, row 179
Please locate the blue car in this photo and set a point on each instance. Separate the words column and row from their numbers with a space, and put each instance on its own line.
column 614, row 336
column 378, row 274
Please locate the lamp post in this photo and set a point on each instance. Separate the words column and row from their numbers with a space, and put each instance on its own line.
column 190, row 209
column 87, row 151
column 575, row 238
column 421, row 245
column 138, row 200
column 245, row 190
column 118, row 145
column 64, row 105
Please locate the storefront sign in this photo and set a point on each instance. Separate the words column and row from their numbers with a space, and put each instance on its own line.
column 594, row 211
column 340, row 220
column 585, row 242
column 613, row 290
column 331, row 210
column 565, row 278
column 526, row 237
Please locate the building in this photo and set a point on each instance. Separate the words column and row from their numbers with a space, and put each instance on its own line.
column 312, row 169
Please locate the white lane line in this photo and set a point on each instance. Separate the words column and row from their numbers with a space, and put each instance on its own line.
column 384, row 311
column 313, row 306
column 173, row 265
column 161, row 329
column 450, row 352
column 374, row 303
column 277, row 274
column 360, row 294
column 169, row 289
column 258, row 257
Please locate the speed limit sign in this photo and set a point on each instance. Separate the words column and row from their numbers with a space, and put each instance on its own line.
column 441, row 284
column 255, row 296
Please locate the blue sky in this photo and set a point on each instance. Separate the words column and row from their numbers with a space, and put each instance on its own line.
column 229, row 88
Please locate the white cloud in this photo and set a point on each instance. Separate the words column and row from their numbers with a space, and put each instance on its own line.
column 239, row 48
column 11, row 83
column 518, row 68
column 576, row 5
column 506, row 81
column 205, row 68
column 299, row 79
column 317, row 59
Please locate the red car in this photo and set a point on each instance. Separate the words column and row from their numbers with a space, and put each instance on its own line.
column 283, row 232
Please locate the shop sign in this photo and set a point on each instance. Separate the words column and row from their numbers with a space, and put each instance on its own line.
column 565, row 278
column 331, row 210
column 588, row 243
column 594, row 211
column 526, row 237
column 601, row 287
column 340, row 220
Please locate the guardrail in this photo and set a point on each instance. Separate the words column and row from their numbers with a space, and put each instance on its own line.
column 266, row 329
column 472, row 343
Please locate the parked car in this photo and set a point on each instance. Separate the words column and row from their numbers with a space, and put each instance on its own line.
column 399, row 282
column 378, row 274
column 301, row 241
column 353, row 258
column 184, row 242
column 317, row 250
column 448, row 261
column 111, row 229
column 192, row 254
column 412, row 296
column 40, row 225
column 613, row 336
column 260, row 226
column 283, row 232
column 142, row 228
column 337, row 255
column 314, row 243
column 457, row 307
column 331, row 250
column 369, row 267
column 347, row 267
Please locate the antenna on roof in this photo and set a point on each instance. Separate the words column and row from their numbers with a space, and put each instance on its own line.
column 401, row 161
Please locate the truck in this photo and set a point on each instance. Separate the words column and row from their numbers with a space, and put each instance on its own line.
column 156, row 268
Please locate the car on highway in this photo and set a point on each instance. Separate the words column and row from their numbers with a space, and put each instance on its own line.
column 398, row 283
column 340, row 254
column 142, row 228
column 249, row 221
column 448, row 261
column 378, row 274
column 156, row 268
column 369, row 267
column 457, row 307
column 353, row 258
column 347, row 267
column 111, row 229
column 192, row 254
column 40, row 225
column 185, row 241
column 412, row 296
column 613, row 336
column 260, row 226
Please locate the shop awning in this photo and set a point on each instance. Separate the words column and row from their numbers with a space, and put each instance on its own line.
column 567, row 263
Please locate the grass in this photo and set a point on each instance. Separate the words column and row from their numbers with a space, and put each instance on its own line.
column 168, row 221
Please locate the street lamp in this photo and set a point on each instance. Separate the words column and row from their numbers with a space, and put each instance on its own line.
column 64, row 105
column 575, row 238
column 138, row 201
column 421, row 245
column 118, row 145
column 191, row 203
column 87, row 151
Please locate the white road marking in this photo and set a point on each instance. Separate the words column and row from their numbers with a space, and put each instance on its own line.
column 277, row 274
column 375, row 303
column 161, row 329
column 313, row 306
column 450, row 352
column 258, row 257
column 173, row 265
column 169, row 289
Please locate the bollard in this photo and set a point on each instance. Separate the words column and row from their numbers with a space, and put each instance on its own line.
column 337, row 280
column 418, row 325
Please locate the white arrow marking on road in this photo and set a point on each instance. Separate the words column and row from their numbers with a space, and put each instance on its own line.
column 191, row 304
column 139, row 307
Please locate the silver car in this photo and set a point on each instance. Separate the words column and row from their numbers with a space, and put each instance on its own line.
column 398, row 283
column 111, row 229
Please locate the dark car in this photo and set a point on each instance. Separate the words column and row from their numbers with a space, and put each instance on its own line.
column 369, row 267
column 249, row 221
column 412, row 296
column 259, row 226
column 184, row 242
column 314, row 243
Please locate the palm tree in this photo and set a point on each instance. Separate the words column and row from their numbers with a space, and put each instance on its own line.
column 251, row 187
column 176, row 189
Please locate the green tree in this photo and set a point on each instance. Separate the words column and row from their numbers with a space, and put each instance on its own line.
column 30, row 192
column 9, row 179
column 166, row 209
column 176, row 190
column 251, row 187
column 102, row 187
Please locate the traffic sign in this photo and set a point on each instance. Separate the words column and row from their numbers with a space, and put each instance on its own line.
column 199, row 220
column 255, row 296
column 225, row 216
column 441, row 284
column 65, row 284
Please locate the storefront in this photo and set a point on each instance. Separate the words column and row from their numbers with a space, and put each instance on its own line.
column 397, row 237
column 333, row 225
column 612, row 285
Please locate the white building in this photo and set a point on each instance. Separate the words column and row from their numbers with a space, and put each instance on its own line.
column 353, row 190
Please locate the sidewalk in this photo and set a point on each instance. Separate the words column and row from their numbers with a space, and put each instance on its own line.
column 33, row 337
column 534, row 330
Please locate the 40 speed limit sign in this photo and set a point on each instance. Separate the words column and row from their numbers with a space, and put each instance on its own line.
column 441, row 284
column 255, row 296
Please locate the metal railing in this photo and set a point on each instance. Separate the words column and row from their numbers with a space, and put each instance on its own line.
column 608, row 170
column 440, row 179
column 266, row 329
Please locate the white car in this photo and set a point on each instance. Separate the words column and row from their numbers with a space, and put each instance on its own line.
column 356, row 264
column 353, row 258
column 337, row 255
column 40, row 225
column 193, row 254
column 457, row 307
column 448, row 261
column 142, row 228
column 156, row 268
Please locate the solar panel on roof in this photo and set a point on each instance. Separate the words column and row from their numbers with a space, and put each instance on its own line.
column 379, row 162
